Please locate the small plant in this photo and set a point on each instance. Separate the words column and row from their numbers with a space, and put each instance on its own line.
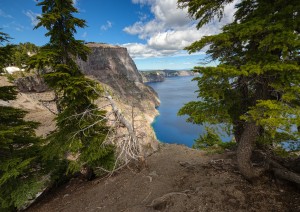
column 212, row 143
column 9, row 77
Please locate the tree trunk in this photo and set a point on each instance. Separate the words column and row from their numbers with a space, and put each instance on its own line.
column 245, row 147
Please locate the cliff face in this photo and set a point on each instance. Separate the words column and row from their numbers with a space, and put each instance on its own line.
column 115, row 70
column 32, row 83
column 153, row 76
column 113, row 66
column 159, row 76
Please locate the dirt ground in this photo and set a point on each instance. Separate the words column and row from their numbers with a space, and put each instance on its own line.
column 175, row 179
column 30, row 102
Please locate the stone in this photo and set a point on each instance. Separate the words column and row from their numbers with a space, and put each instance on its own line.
column 31, row 84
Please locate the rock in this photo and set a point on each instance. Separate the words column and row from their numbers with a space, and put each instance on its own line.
column 159, row 76
column 153, row 76
column 113, row 66
column 116, row 71
column 32, row 83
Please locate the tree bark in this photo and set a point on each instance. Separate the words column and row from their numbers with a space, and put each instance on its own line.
column 244, row 152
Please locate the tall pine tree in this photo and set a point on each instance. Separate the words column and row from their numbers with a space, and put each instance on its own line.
column 255, row 87
column 81, row 129
column 20, row 159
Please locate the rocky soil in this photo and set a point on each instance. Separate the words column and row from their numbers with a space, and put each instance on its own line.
column 31, row 102
column 174, row 179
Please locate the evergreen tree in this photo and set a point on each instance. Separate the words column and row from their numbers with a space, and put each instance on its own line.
column 21, row 54
column 81, row 129
column 255, row 87
column 5, row 50
column 20, row 167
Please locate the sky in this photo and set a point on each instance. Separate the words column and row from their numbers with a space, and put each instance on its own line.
column 154, row 32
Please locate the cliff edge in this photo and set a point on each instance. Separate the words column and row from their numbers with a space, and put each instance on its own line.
column 112, row 65
column 177, row 179
column 160, row 75
column 115, row 70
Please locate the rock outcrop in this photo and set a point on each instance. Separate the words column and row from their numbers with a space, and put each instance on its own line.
column 115, row 70
column 159, row 76
column 153, row 76
column 32, row 83
column 113, row 66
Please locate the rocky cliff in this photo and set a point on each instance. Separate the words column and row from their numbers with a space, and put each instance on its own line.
column 112, row 65
column 32, row 83
column 115, row 70
column 159, row 76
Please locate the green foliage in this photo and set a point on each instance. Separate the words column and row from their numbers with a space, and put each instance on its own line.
column 8, row 93
column 58, row 19
column 82, row 128
column 257, row 78
column 5, row 51
column 211, row 142
column 20, row 165
column 281, row 152
column 204, row 10
column 21, row 54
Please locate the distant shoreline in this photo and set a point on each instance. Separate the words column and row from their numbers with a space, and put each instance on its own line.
column 160, row 75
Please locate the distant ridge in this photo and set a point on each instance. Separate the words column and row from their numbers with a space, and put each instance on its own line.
column 160, row 75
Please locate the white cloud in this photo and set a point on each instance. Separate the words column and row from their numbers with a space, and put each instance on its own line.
column 138, row 50
column 170, row 30
column 106, row 26
column 167, row 17
column 175, row 39
column 32, row 16
column 4, row 14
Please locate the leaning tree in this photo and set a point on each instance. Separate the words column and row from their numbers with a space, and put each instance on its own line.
column 81, row 126
column 255, row 88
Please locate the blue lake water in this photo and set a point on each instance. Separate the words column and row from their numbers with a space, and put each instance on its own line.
column 174, row 93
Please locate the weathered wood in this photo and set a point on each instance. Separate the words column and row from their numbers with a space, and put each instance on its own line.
column 135, row 144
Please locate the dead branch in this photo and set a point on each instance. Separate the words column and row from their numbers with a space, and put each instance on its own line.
column 128, row 144
column 43, row 102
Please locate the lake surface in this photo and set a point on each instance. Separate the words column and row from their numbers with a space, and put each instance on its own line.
column 173, row 93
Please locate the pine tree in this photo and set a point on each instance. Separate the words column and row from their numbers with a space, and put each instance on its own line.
column 21, row 54
column 20, row 167
column 4, row 50
column 255, row 87
column 81, row 128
